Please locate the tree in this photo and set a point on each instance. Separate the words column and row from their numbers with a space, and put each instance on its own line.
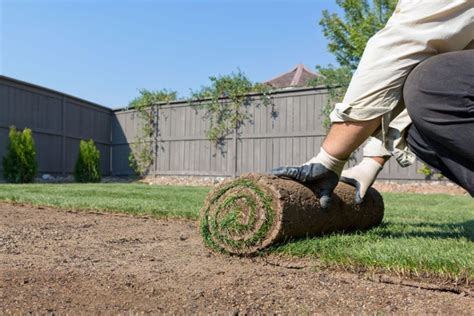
column 348, row 36
column 87, row 168
column 19, row 163
column 144, row 147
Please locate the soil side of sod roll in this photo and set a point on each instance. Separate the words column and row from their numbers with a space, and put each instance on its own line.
column 254, row 211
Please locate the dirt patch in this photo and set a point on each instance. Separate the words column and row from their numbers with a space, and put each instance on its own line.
column 429, row 187
column 425, row 187
column 54, row 261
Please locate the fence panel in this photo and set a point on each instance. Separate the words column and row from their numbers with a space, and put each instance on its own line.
column 58, row 122
column 289, row 131
column 182, row 144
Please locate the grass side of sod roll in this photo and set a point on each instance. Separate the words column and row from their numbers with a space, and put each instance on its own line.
column 429, row 234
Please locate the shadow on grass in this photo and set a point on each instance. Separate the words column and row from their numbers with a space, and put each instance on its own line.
column 385, row 230
column 455, row 230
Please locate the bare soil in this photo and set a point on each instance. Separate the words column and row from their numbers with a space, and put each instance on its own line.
column 424, row 187
column 58, row 261
column 428, row 187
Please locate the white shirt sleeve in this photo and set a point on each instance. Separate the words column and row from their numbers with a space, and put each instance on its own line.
column 417, row 30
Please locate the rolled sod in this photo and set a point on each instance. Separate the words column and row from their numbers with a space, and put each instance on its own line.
column 250, row 213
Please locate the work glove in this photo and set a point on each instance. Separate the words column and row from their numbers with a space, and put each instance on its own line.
column 323, row 169
column 361, row 176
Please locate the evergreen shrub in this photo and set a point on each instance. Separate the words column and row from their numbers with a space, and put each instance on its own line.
column 19, row 163
column 87, row 167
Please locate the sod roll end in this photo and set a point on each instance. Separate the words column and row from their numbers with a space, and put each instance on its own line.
column 250, row 213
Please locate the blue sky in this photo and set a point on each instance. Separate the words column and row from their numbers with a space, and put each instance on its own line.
column 105, row 50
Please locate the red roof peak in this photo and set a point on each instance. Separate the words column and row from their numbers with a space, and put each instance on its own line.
column 298, row 76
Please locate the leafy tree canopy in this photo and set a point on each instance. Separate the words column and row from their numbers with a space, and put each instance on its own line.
column 348, row 35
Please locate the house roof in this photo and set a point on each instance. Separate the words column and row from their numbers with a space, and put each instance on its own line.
column 299, row 76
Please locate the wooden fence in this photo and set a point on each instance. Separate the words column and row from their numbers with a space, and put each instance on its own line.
column 287, row 132
column 58, row 122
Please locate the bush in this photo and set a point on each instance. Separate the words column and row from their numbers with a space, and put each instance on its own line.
column 19, row 163
column 87, row 167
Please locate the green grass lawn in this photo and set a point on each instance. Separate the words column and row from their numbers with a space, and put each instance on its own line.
column 421, row 234
column 133, row 198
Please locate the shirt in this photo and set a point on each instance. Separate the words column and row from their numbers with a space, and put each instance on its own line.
column 417, row 30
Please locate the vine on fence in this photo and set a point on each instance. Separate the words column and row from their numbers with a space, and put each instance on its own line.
column 226, row 101
column 336, row 80
column 144, row 147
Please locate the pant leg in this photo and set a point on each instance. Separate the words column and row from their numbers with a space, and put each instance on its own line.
column 439, row 96
column 423, row 151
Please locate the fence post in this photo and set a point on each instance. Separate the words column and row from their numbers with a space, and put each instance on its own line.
column 63, row 132
column 155, row 140
column 111, row 143
column 234, row 138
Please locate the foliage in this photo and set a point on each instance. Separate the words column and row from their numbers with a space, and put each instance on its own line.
column 336, row 80
column 426, row 170
column 348, row 37
column 141, row 156
column 429, row 172
column 148, row 98
column 228, row 101
column 144, row 147
column 19, row 163
column 87, row 168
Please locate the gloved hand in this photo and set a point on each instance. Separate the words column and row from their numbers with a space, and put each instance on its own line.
column 361, row 176
column 324, row 169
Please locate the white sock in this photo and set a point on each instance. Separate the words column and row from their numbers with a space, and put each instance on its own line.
column 365, row 173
